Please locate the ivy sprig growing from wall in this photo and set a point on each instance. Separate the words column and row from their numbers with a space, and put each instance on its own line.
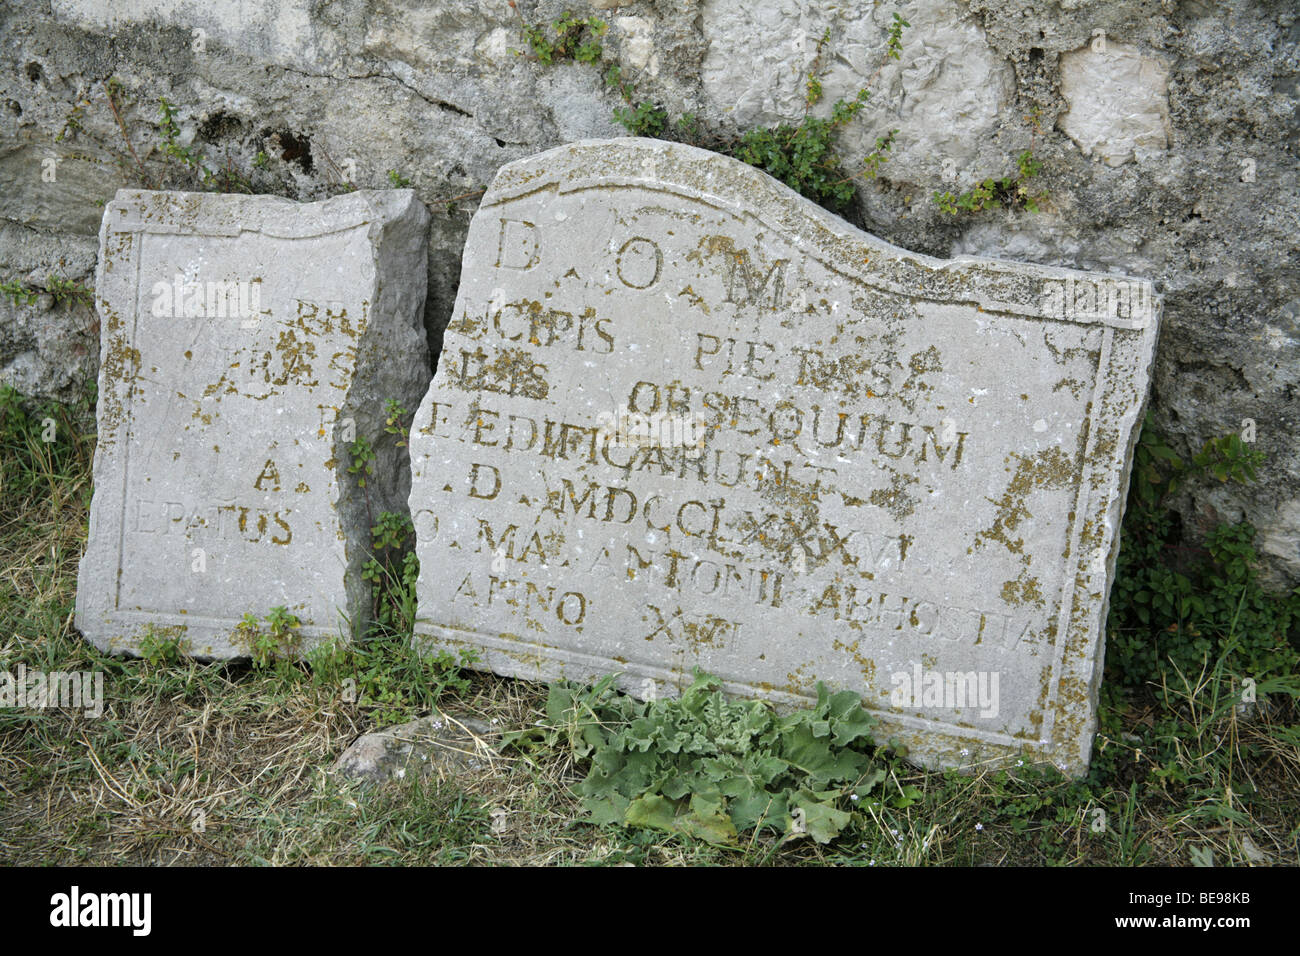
column 1012, row 191
column 203, row 173
column 802, row 155
column 226, row 179
column 392, row 571
column 61, row 290
column 392, row 567
column 571, row 38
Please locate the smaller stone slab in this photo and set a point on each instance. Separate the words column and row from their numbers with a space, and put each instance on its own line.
column 246, row 343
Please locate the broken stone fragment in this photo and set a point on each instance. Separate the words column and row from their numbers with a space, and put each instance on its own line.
column 432, row 746
column 247, row 343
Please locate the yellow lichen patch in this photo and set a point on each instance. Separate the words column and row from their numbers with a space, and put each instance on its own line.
column 800, row 684
column 828, row 600
column 694, row 299
column 508, row 372
column 294, row 357
column 920, row 365
column 1050, row 468
column 468, row 326
column 709, row 632
column 1023, row 590
column 894, row 499
column 120, row 371
column 865, row 664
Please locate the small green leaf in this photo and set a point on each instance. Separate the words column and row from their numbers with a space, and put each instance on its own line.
column 821, row 820
column 652, row 810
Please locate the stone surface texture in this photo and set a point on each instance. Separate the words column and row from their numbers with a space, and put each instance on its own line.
column 352, row 89
column 1119, row 102
column 246, row 342
column 686, row 418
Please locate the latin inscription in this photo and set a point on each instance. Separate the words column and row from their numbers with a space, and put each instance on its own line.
column 713, row 549
column 667, row 433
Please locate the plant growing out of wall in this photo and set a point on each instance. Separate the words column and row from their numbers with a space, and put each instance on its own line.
column 58, row 288
column 199, row 170
column 225, row 179
column 571, row 38
column 802, row 155
column 1011, row 191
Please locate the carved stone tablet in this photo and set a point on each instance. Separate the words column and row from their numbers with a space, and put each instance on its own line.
column 246, row 342
column 685, row 418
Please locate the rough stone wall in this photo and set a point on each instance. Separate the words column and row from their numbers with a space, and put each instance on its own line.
column 1168, row 136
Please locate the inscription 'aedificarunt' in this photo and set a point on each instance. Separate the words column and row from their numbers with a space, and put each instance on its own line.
column 684, row 418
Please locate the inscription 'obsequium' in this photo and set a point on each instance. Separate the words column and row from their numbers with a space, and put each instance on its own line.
column 848, row 461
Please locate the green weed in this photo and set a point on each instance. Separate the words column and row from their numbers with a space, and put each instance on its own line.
column 1173, row 607
column 643, row 119
column 220, row 179
column 572, row 38
column 57, row 287
column 802, row 155
column 711, row 768
column 277, row 644
column 1011, row 191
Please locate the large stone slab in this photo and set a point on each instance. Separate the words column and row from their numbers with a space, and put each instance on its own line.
column 246, row 342
column 685, row 418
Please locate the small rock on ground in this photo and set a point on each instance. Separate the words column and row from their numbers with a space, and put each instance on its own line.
column 437, row 745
